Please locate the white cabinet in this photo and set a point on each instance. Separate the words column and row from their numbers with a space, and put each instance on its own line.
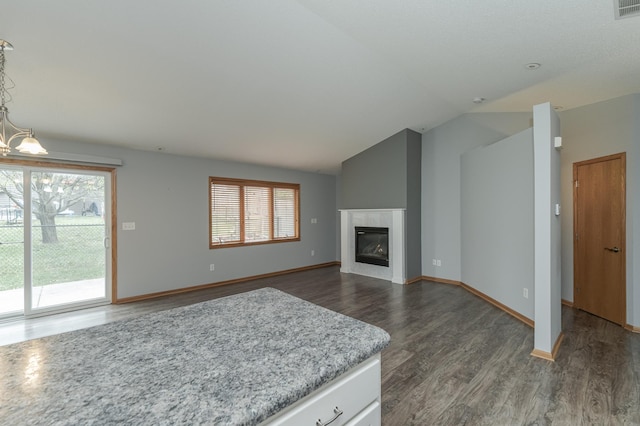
column 370, row 416
column 353, row 399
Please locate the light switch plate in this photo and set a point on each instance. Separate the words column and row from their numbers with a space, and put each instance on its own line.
column 128, row 226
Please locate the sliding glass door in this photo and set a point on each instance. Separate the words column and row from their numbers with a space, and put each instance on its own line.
column 11, row 242
column 57, row 257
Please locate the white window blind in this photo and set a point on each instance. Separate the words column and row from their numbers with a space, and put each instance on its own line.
column 284, row 221
column 252, row 212
column 257, row 213
column 225, row 213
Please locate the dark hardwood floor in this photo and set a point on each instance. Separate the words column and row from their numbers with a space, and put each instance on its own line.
column 453, row 360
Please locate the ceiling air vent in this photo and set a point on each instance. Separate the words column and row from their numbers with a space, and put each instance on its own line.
column 626, row 8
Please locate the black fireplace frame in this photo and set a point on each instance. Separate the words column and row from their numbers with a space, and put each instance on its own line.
column 372, row 260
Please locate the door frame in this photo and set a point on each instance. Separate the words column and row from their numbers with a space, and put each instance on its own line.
column 623, row 243
column 111, row 171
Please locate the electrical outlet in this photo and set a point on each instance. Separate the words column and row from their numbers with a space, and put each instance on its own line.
column 525, row 293
column 438, row 262
column 434, row 262
column 212, row 267
column 313, row 252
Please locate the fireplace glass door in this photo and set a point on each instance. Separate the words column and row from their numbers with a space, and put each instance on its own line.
column 372, row 245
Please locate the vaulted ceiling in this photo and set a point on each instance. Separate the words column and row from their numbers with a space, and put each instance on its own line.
column 301, row 84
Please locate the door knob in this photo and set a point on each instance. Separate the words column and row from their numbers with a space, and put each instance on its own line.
column 615, row 249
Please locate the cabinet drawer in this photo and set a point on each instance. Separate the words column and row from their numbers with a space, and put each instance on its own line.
column 351, row 393
column 370, row 416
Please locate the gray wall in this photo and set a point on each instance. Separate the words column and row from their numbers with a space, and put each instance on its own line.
column 633, row 244
column 588, row 132
column 441, row 151
column 414, row 205
column 593, row 131
column 376, row 178
column 338, row 203
column 497, row 221
column 546, row 161
column 387, row 175
column 167, row 197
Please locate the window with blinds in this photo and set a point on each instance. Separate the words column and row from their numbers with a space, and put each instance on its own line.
column 244, row 212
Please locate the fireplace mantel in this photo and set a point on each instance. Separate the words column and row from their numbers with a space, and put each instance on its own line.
column 393, row 219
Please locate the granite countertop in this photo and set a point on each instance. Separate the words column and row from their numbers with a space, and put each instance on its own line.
column 232, row 361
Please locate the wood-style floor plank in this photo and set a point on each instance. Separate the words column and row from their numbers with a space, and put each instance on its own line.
column 453, row 358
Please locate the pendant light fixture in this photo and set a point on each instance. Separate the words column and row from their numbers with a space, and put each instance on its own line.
column 9, row 131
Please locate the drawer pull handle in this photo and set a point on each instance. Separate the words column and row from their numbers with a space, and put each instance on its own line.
column 337, row 413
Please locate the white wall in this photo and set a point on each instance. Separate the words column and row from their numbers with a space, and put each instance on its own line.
column 497, row 221
column 441, row 150
column 167, row 197
column 593, row 131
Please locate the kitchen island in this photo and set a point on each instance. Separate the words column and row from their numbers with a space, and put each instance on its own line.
column 238, row 360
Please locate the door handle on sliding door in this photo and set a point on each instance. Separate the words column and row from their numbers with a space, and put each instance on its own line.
column 106, row 242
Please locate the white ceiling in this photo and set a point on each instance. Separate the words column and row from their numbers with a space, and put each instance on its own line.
column 301, row 84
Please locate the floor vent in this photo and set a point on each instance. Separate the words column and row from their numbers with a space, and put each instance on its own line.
column 626, row 8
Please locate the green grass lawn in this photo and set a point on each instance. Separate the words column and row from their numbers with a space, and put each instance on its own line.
column 78, row 255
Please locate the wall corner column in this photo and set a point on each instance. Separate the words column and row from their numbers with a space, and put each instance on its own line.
column 547, row 262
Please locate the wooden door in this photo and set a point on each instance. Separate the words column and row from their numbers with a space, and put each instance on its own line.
column 599, row 237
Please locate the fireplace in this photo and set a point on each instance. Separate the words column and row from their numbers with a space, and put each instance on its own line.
column 393, row 219
column 372, row 245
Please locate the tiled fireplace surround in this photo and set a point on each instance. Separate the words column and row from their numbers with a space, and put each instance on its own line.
column 394, row 219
